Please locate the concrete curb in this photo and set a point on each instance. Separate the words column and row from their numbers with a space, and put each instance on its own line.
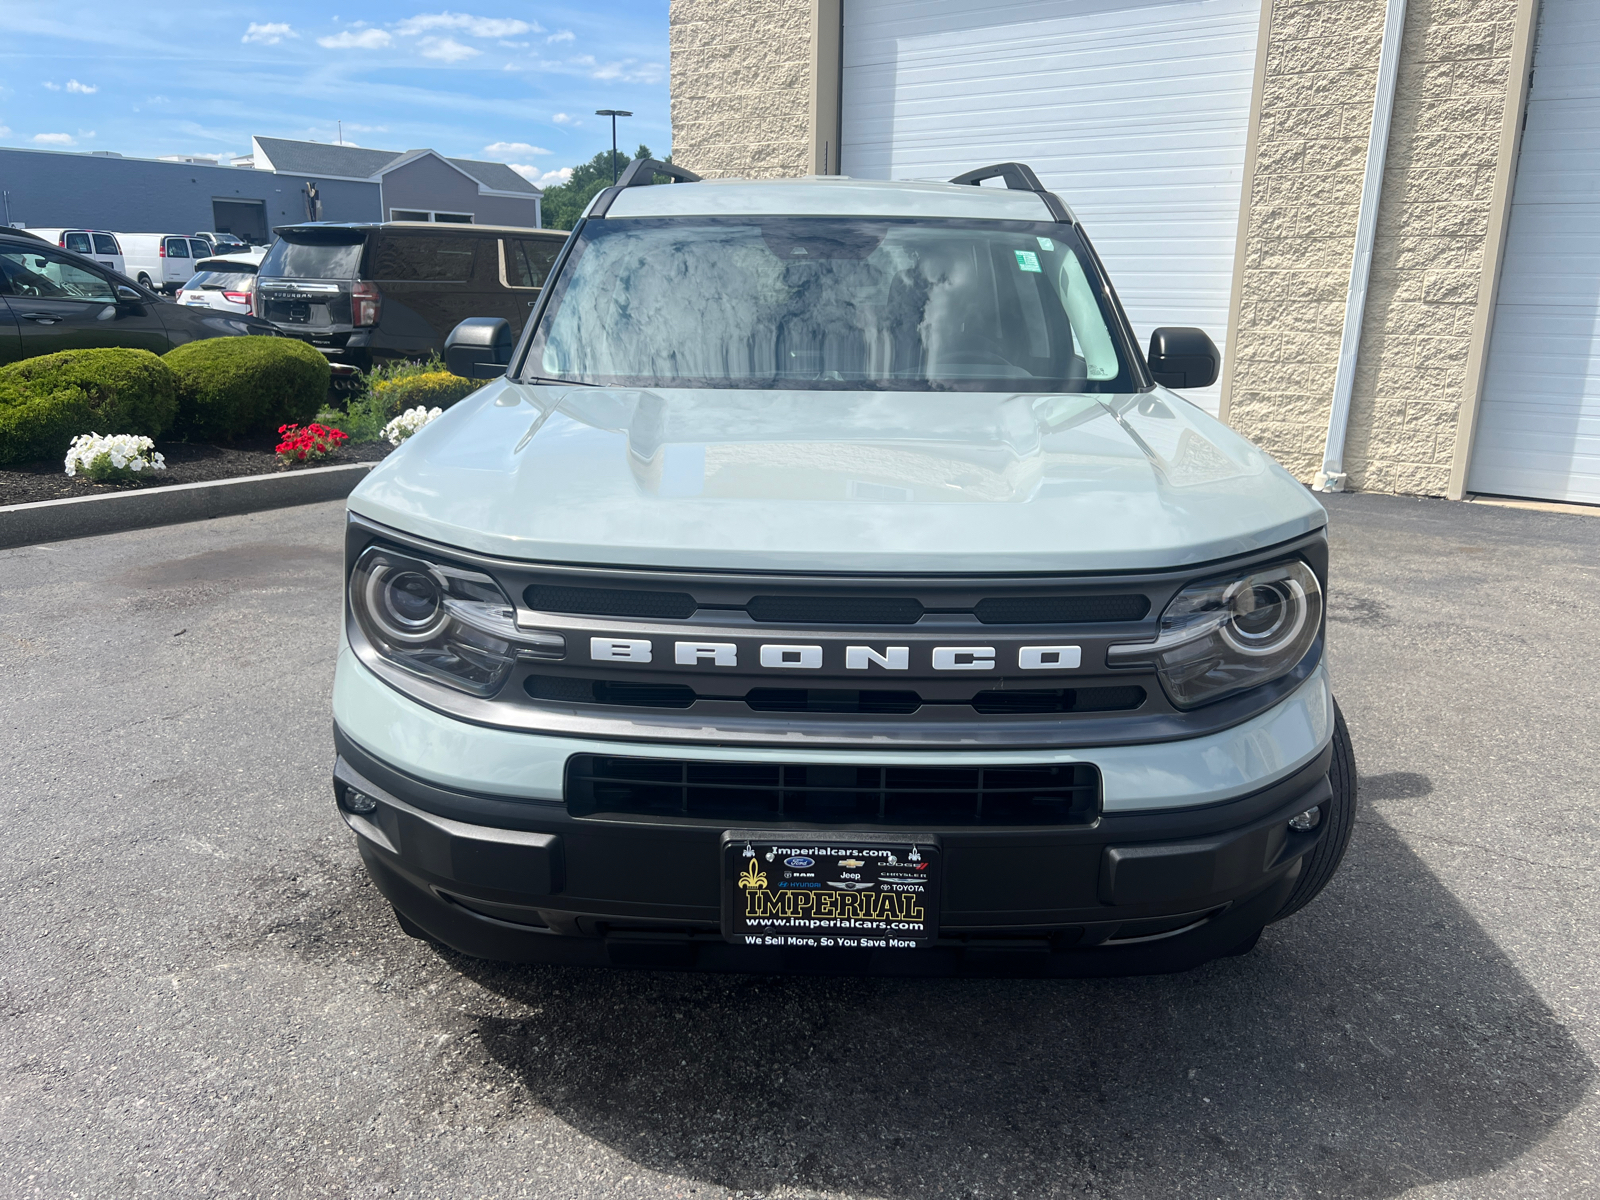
column 86, row 516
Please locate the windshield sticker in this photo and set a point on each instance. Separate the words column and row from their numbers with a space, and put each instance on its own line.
column 1028, row 260
column 1046, row 245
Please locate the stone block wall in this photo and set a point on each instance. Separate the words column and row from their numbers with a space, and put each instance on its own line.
column 1427, row 258
column 741, row 87
column 1433, row 223
column 1316, row 113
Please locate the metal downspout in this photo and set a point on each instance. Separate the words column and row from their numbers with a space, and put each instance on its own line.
column 1332, row 476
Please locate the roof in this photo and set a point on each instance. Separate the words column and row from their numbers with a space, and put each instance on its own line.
column 428, row 226
column 358, row 162
column 829, row 195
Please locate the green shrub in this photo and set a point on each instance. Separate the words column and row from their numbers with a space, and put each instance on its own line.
column 47, row 401
column 242, row 386
column 395, row 387
column 431, row 389
column 40, row 424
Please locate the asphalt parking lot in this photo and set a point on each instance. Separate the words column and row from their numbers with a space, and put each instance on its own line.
column 203, row 997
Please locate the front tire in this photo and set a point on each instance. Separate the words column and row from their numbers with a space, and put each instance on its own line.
column 1338, row 818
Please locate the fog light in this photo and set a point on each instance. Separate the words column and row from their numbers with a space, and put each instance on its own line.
column 360, row 802
column 1304, row 823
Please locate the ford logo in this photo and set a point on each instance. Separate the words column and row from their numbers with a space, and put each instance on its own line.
column 799, row 860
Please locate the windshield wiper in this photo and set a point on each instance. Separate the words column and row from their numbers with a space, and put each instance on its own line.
column 552, row 379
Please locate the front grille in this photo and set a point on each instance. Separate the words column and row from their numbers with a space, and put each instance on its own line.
column 1060, row 700
column 1050, row 794
column 632, row 694
column 1060, row 610
column 611, row 602
column 826, row 610
column 836, row 610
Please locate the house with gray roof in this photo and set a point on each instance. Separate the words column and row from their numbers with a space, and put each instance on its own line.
column 292, row 181
column 413, row 185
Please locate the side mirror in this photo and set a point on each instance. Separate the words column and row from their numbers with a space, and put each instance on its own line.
column 126, row 295
column 1183, row 358
column 479, row 348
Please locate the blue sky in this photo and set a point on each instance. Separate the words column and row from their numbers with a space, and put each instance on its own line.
column 517, row 83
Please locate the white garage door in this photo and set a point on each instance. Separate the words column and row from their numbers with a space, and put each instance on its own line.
column 1539, row 428
column 1134, row 111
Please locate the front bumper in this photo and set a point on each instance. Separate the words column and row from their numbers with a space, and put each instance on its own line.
column 511, row 875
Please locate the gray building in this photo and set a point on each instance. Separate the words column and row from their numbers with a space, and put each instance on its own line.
column 416, row 185
column 291, row 181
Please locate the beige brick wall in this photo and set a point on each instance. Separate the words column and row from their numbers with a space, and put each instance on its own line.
column 1433, row 221
column 741, row 86
column 1433, row 228
column 1316, row 112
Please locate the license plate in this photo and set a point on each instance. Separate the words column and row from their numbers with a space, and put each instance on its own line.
column 856, row 891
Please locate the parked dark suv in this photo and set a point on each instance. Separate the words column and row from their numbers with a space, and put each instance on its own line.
column 365, row 294
column 52, row 299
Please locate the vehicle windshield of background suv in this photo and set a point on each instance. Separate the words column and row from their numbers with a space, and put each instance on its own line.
column 832, row 303
column 335, row 255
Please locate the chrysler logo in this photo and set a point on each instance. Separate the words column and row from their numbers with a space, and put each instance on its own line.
column 783, row 656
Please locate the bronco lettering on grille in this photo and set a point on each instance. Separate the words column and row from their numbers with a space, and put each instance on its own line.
column 780, row 656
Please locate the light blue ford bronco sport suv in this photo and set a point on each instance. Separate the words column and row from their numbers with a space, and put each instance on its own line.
column 827, row 582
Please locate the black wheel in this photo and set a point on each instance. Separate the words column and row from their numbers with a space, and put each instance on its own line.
column 410, row 927
column 1338, row 819
column 144, row 281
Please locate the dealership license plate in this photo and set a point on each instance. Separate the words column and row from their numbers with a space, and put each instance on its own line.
column 857, row 891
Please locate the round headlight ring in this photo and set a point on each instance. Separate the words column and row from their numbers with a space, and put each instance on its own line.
column 1286, row 594
column 405, row 603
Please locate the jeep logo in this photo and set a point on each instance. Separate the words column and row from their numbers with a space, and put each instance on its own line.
column 783, row 656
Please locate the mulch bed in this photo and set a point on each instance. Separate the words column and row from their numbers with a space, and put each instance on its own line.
column 23, row 483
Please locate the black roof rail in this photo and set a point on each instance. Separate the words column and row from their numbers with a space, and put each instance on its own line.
column 639, row 173
column 1019, row 177
column 649, row 167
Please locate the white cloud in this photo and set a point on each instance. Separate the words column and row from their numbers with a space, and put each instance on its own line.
column 566, row 35
column 447, row 50
column 366, row 128
column 54, row 87
column 367, row 39
column 483, row 27
column 629, row 70
column 83, row 89
column 545, row 179
column 55, row 139
column 4, row 129
column 269, row 34
column 562, row 119
column 520, row 148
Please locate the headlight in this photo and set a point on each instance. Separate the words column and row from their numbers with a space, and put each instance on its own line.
column 437, row 619
column 1222, row 636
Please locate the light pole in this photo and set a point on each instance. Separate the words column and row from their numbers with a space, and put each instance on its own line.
column 613, row 113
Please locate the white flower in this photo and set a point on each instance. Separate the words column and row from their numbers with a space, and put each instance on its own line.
column 408, row 422
column 101, row 456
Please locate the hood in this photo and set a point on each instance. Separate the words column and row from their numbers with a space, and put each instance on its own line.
column 915, row 482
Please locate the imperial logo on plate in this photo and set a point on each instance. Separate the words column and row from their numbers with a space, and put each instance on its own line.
column 790, row 889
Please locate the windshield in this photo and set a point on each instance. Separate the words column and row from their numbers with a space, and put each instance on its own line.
column 221, row 281
column 830, row 302
column 319, row 259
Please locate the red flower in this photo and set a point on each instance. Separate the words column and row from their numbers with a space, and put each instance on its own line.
column 308, row 444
